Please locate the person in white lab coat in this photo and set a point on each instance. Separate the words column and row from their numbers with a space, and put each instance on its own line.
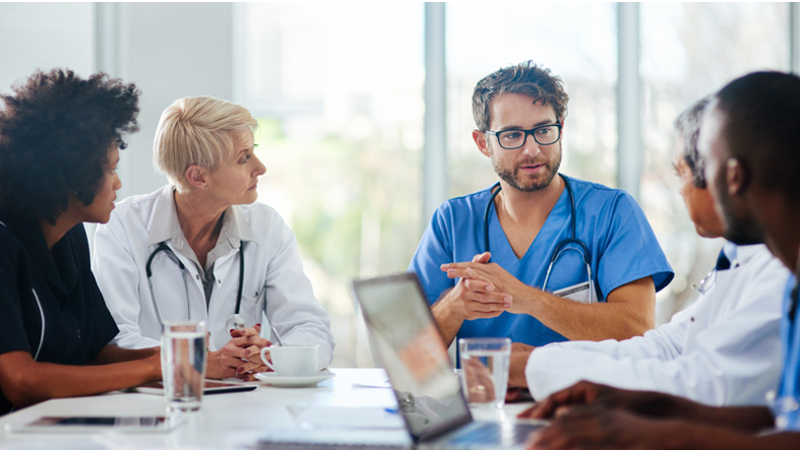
column 202, row 248
column 723, row 350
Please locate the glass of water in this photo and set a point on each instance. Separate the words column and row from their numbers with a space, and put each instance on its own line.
column 183, row 364
column 484, row 370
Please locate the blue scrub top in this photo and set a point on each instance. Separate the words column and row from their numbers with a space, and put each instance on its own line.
column 789, row 392
column 622, row 245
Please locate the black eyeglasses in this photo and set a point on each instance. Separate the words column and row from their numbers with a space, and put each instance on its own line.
column 513, row 139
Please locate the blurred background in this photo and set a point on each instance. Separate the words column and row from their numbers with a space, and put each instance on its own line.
column 365, row 108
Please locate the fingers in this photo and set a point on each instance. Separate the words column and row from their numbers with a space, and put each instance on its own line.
column 582, row 427
column 466, row 272
column 482, row 258
column 221, row 365
column 476, row 290
column 247, row 337
column 527, row 413
column 579, row 393
column 478, row 285
column 249, row 341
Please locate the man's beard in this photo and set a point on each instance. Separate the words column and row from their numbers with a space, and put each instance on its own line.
column 741, row 230
column 509, row 175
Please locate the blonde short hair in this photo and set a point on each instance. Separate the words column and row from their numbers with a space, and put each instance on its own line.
column 197, row 130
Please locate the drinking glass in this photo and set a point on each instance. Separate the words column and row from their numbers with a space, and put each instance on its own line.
column 183, row 364
column 484, row 370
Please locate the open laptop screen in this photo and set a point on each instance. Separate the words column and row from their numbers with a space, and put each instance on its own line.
column 412, row 351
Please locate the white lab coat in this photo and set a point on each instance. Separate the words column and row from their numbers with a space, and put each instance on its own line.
column 274, row 281
column 723, row 350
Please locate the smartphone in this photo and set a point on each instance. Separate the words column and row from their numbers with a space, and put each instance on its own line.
column 211, row 387
column 97, row 424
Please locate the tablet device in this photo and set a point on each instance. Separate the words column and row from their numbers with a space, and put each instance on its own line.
column 211, row 387
column 96, row 424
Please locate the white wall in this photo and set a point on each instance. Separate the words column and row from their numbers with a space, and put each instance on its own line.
column 170, row 50
column 44, row 35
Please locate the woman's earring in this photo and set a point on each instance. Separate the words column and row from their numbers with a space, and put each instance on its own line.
column 206, row 187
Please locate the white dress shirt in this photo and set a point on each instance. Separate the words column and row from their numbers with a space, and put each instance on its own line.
column 274, row 282
column 723, row 350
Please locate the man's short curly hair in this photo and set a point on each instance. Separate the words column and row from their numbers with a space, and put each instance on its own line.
column 55, row 134
column 525, row 78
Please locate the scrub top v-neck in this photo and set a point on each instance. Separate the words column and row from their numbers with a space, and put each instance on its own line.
column 622, row 246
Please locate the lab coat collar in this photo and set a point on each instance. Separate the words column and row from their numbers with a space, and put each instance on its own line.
column 740, row 254
column 166, row 226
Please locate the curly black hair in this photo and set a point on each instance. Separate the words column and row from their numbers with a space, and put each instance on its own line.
column 54, row 139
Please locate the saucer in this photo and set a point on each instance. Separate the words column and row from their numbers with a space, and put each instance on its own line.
column 306, row 381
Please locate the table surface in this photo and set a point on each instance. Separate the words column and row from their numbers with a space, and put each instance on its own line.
column 232, row 420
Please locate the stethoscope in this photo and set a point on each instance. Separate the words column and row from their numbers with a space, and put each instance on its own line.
column 234, row 321
column 561, row 247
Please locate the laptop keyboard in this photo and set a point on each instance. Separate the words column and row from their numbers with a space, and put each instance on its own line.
column 493, row 433
column 275, row 445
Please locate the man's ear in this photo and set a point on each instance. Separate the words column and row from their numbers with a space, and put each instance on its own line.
column 196, row 176
column 737, row 177
column 480, row 140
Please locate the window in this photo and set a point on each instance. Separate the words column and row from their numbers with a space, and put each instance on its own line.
column 690, row 50
column 575, row 41
column 337, row 89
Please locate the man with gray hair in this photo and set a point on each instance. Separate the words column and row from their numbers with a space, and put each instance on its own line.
column 723, row 350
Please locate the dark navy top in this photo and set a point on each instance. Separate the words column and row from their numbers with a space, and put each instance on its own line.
column 77, row 324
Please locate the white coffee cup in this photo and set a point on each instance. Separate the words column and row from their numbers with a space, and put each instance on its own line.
column 292, row 360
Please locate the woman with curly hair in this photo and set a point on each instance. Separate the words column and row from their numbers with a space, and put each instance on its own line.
column 60, row 137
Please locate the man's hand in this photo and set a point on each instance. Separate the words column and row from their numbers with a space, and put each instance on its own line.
column 474, row 298
column 487, row 280
column 519, row 359
column 479, row 381
column 653, row 404
column 239, row 357
column 598, row 428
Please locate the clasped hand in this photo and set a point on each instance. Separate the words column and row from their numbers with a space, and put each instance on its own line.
column 240, row 357
column 484, row 289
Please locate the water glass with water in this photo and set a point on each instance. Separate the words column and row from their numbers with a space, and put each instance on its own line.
column 484, row 370
column 183, row 364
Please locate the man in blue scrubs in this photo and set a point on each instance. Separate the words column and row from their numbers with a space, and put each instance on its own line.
column 498, row 288
column 750, row 143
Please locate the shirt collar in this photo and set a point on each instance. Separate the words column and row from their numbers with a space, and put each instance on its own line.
column 740, row 254
column 235, row 227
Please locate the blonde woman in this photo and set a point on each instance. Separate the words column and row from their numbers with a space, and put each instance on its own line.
column 202, row 248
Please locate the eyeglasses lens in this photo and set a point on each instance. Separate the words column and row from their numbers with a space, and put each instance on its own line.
column 516, row 138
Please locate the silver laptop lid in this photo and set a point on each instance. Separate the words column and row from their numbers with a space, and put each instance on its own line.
column 408, row 344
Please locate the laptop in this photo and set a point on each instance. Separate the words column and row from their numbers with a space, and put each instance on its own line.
column 406, row 340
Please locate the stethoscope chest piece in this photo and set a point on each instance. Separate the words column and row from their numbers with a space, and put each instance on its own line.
column 235, row 322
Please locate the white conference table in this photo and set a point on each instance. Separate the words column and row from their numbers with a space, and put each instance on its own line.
column 232, row 420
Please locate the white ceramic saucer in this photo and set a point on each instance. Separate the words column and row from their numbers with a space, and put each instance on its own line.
column 312, row 380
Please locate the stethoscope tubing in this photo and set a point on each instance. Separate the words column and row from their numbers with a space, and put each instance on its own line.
column 561, row 246
column 162, row 246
